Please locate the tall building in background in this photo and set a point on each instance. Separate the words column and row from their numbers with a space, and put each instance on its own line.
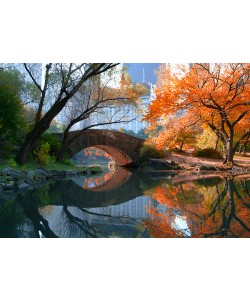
column 140, row 73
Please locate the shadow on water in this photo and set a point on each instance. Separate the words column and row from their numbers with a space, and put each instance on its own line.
column 139, row 205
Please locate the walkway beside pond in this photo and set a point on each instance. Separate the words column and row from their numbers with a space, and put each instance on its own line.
column 186, row 158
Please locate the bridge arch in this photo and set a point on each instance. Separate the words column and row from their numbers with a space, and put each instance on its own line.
column 123, row 148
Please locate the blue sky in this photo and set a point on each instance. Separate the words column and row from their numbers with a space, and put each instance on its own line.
column 136, row 71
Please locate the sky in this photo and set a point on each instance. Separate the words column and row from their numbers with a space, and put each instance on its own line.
column 135, row 70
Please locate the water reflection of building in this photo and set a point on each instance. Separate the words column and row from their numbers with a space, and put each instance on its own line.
column 119, row 219
column 134, row 209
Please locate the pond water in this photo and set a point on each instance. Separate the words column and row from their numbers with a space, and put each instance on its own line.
column 119, row 203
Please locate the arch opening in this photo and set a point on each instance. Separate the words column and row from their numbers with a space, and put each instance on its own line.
column 106, row 153
column 91, row 156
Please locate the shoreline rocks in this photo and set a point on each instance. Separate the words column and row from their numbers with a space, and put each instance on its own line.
column 161, row 164
column 11, row 179
column 169, row 165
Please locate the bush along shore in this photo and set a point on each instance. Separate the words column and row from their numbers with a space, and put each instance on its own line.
column 14, row 179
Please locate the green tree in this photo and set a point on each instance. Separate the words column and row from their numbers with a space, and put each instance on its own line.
column 11, row 108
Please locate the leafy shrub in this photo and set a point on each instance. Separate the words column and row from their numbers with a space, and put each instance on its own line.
column 208, row 152
column 51, row 159
column 147, row 152
column 43, row 154
column 68, row 162
column 24, row 168
column 53, row 141
column 12, row 163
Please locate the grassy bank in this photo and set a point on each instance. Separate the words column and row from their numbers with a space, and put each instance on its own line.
column 50, row 166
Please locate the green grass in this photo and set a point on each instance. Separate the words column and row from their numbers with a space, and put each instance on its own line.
column 52, row 165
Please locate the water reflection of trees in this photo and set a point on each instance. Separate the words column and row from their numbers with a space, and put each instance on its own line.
column 13, row 216
column 31, row 208
column 214, row 208
column 199, row 208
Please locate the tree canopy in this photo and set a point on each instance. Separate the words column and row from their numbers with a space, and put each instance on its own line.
column 11, row 108
column 217, row 95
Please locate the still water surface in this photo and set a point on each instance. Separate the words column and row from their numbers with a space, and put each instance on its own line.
column 121, row 204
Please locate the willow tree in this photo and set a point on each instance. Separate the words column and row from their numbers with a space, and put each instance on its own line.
column 218, row 95
column 59, row 83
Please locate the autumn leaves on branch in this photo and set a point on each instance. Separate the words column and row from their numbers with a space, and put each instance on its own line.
column 191, row 99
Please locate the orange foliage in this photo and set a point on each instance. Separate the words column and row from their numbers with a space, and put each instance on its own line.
column 91, row 151
column 176, row 132
column 159, row 225
column 97, row 181
column 217, row 95
column 103, row 91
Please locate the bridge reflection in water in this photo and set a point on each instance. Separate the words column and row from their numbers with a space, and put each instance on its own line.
column 65, row 209
column 105, row 181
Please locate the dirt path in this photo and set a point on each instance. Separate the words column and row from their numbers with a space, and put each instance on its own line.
column 186, row 158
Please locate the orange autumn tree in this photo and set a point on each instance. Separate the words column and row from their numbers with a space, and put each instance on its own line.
column 175, row 133
column 217, row 95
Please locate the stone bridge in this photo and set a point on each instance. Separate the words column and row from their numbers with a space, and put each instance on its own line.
column 123, row 148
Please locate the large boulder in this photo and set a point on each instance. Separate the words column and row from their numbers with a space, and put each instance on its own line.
column 23, row 185
column 41, row 172
column 31, row 174
column 206, row 168
column 161, row 164
column 11, row 172
column 8, row 185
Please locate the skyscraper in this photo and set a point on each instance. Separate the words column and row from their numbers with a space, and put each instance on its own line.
column 142, row 72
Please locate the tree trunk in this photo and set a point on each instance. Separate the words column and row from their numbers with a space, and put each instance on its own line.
column 216, row 143
column 63, row 145
column 245, row 148
column 240, row 148
column 34, row 135
column 31, row 139
column 230, row 149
